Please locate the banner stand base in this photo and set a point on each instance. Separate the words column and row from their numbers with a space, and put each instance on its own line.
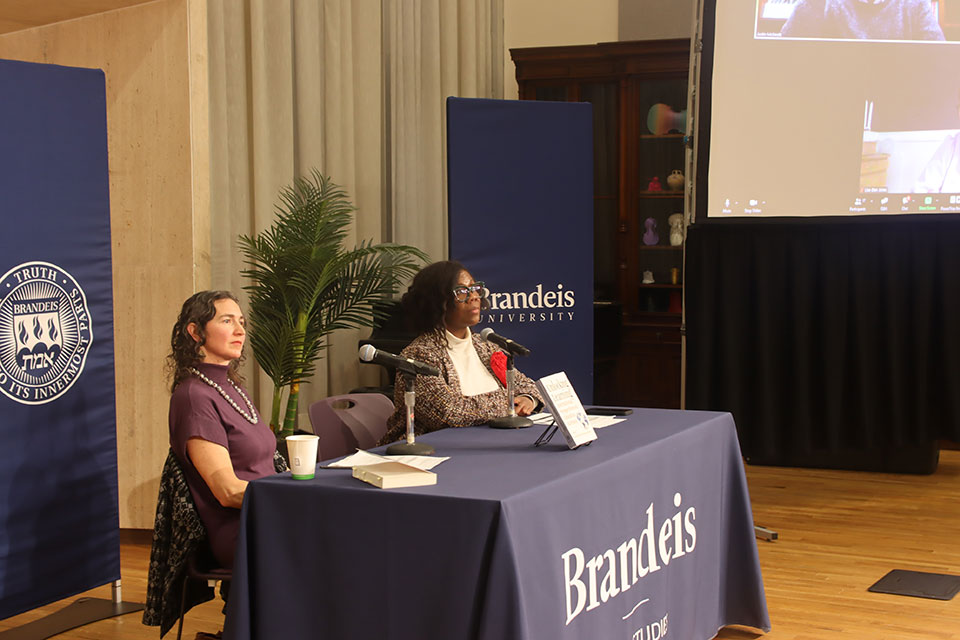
column 80, row 612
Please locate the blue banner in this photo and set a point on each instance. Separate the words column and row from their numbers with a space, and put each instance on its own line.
column 521, row 219
column 59, row 525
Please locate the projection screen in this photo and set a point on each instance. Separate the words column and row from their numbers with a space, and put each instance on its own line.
column 829, row 108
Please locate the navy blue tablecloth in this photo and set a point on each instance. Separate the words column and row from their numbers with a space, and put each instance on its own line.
column 645, row 533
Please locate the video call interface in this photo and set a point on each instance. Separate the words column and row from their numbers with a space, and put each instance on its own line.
column 835, row 108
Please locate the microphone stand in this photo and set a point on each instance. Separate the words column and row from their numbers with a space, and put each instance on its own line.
column 410, row 447
column 511, row 421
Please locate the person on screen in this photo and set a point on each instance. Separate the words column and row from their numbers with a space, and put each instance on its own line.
column 215, row 431
column 863, row 20
column 942, row 171
column 441, row 305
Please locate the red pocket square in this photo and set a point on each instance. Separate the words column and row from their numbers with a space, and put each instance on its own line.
column 498, row 362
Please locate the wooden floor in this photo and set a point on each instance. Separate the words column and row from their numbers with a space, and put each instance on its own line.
column 840, row 531
column 134, row 560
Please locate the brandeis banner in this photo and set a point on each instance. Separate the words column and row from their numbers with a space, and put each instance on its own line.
column 520, row 177
column 58, row 460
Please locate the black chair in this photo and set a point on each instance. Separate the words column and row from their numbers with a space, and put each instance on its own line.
column 178, row 535
column 202, row 568
column 391, row 334
column 182, row 568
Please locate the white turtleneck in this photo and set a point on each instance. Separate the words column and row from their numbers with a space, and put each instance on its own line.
column 475, row 378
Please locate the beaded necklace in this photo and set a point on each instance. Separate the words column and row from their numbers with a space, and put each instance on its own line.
column 251, row 417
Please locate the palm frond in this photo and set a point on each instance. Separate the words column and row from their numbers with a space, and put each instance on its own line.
column 304, row 284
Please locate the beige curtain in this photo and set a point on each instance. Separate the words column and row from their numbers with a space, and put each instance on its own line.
column 355, row 89
column 433, row 49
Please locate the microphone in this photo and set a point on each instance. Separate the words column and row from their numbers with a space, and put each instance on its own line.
column 368, row 353
column 506, row 343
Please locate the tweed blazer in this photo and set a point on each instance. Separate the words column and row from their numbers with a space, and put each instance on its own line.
column 440, row 402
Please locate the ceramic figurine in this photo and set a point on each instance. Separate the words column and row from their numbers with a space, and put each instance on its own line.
column 661, row 119
column 655, row 184
column 676, row 229
column 650, row 237
column 675, row 180
column 647, row 277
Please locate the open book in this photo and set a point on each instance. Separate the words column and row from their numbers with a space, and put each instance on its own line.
column 563, row 403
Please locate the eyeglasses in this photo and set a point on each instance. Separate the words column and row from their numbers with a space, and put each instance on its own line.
column 463, row 292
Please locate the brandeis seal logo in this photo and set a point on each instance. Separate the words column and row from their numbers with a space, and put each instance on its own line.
column 45, row 332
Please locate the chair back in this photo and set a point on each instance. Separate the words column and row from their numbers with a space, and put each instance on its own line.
column 177, row 533
column 350, row 421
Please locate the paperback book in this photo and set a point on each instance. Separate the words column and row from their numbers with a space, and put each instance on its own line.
column 563, row 402
column 392, row 475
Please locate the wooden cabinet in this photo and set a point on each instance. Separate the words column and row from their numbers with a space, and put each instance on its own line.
column 639, row 96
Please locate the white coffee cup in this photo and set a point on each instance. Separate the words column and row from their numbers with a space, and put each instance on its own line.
column 302, row 452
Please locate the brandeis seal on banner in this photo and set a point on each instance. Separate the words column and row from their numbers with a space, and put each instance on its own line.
column 45, row 332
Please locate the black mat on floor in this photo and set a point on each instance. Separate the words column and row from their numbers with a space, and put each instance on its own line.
column 939, row 586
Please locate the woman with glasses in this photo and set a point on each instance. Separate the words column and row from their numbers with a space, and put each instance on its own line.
column 441, row 305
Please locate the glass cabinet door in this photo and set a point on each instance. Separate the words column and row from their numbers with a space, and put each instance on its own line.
column 638, row 91
column 659, row 160
column 605, row 100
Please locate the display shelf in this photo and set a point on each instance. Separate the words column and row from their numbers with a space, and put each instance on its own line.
column 661, row 194
column 662, row 136
column 637, row 89
column 641, row 319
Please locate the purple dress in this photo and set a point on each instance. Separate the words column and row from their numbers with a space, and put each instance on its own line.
column 197, row 410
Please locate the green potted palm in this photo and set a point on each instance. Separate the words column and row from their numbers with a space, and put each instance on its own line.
column 305, row 284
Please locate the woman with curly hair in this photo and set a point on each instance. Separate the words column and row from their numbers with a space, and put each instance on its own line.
column 215, row 431
column 441, row 305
